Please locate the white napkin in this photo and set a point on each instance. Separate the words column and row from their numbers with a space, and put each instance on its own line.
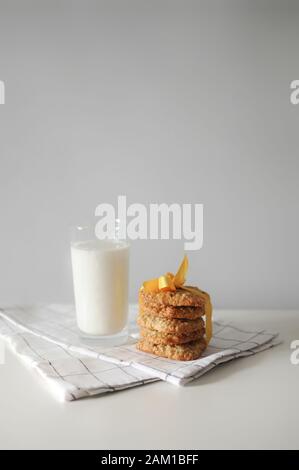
column 46, row 337
column 40, row 335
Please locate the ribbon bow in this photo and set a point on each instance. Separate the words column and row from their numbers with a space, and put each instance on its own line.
column 171, row 282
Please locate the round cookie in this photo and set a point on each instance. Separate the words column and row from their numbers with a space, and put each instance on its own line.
column 180, row 352
column 177, row 298
column 155, row 337
column 169, row 326
column 169, row 311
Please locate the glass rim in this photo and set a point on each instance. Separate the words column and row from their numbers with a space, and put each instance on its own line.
column 90, row 230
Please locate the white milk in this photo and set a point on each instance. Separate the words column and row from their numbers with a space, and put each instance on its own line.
column 100, row 275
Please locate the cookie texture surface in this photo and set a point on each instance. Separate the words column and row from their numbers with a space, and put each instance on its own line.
column 169, row 326
column 154, row 337
column 169, row 311
column 178, row 298
column 180, row 352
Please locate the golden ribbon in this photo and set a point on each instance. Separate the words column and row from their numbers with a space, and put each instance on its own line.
column 171, row 282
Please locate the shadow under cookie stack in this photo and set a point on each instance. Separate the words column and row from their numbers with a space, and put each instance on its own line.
column 171, row 323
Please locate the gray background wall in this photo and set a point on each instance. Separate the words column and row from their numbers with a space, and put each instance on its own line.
column 163, row 101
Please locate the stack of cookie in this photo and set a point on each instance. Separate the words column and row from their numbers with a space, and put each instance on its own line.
column 171, row 324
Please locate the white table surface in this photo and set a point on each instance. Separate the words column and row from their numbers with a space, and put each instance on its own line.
column 247, row 403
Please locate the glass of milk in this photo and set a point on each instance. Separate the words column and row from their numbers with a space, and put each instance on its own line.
column 100, row 278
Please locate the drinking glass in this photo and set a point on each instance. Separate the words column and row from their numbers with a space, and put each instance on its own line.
column 100, row 279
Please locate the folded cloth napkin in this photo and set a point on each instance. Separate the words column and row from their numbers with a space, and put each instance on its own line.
column 46, row 337
column 37, row 335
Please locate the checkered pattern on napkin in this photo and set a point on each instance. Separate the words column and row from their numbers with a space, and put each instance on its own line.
column 228, row 342
column 47, row 338
column 69, row 373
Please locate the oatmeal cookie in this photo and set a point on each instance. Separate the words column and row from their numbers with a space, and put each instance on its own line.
column 180, row 352
column 177, row 298
column 168, row 311
column 154, row 337
column 168, row 326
